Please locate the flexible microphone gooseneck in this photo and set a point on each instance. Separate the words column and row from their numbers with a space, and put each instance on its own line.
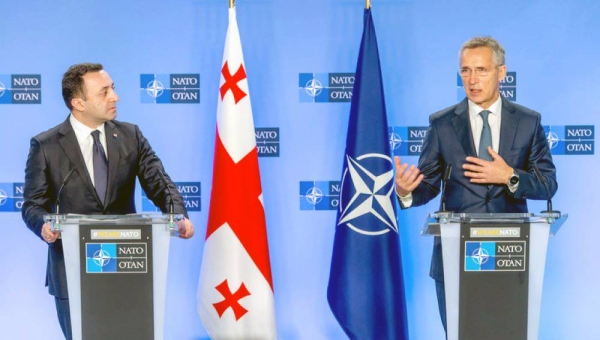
column 171, row 205
column 56, row 224
column 64, row 182
column 541, row 178
column 445, row 181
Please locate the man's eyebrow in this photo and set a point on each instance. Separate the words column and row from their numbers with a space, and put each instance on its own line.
column 106, row 87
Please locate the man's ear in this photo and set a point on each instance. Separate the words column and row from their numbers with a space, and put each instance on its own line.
column 502, row 72
column 77, row 104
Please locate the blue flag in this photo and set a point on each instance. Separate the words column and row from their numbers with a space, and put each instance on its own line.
column 366, row 289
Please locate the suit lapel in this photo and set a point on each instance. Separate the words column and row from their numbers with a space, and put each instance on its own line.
column 508, row 128
column 462, row 127
column 114, row 155
column 70, row 145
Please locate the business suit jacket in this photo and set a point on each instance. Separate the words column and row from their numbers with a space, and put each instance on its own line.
column 449, row 140
column 54, row 153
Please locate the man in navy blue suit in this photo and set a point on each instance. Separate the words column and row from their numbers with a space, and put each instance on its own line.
column 67, row 149
column 492, row 144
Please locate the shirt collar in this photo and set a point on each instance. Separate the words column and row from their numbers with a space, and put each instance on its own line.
column 82, row 129
column 495, row 108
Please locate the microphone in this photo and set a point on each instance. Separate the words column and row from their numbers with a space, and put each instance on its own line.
column 541, row 178
column 64, row 182
column 56, row 224
column 445, row 179
column 171, row 205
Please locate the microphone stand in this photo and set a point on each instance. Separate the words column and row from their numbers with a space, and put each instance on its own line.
column 56, row 222
column 445, row 181
column 445, row 214
column 549, row 212
column 171, row 213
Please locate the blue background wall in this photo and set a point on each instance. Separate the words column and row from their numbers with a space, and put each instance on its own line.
column 551, row 45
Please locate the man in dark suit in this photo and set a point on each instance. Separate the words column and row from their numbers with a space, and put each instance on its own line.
column 496, row 143
column 88, row 92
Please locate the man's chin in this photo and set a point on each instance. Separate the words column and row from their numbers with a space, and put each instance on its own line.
column 475, row 99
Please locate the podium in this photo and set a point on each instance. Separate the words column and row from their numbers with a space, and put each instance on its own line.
column 116, row 268
column 493, row 271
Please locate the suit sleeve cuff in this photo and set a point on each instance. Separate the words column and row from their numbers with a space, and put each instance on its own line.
column 406, row 201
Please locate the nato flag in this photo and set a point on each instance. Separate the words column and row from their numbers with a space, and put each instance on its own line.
column 366, row 289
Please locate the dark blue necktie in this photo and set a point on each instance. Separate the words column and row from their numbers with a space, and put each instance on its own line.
column 486, row 137
column 100, row 167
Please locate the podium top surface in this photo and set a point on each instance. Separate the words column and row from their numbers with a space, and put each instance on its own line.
column 113, row 219
column 436, row 220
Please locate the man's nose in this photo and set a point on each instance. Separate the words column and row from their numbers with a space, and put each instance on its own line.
column 114, row 96
column 473, row 78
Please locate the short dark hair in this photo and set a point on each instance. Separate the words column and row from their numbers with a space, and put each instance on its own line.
column 72, row 81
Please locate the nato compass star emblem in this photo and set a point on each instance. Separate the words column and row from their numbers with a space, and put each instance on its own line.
column 155, row 89
column 366, row 202
column 480, row 256
column 395, row 141
column 101, row 257
column 3, row 197
column 313, row 87
column 552, row 139
column 2, row 89
column 314, row 195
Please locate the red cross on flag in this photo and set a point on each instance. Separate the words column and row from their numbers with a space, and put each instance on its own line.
column 235, row 292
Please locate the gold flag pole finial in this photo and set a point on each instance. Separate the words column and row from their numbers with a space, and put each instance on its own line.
column 232, row 3
column 367, row 4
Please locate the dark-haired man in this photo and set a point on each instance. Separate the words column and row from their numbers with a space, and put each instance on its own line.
column 494, row 142
column 107, row 155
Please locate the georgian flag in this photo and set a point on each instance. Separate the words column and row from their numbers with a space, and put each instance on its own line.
column 235, row 291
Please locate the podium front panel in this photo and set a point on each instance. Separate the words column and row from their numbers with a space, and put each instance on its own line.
column 116, row 274
column 453, row 245
column 116, row 282
column 494, row 281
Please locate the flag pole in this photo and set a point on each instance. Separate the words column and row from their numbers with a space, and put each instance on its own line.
column 232, row 3
column 367, row 4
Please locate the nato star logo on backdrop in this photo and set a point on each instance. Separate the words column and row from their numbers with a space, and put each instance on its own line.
column 369, row 195
column 325, row 87
column 155, row 89
column 3, row 197
column 319, row 195
column 570, row 139
column 395, row 139
column 170, row 88
column 406, row 140
column 20, row 89
column 11, row 197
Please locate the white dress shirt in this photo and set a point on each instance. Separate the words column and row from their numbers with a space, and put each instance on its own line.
column 494, row 119
column 86, row 143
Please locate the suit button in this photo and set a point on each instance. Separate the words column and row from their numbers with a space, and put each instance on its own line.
column 488, row 199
